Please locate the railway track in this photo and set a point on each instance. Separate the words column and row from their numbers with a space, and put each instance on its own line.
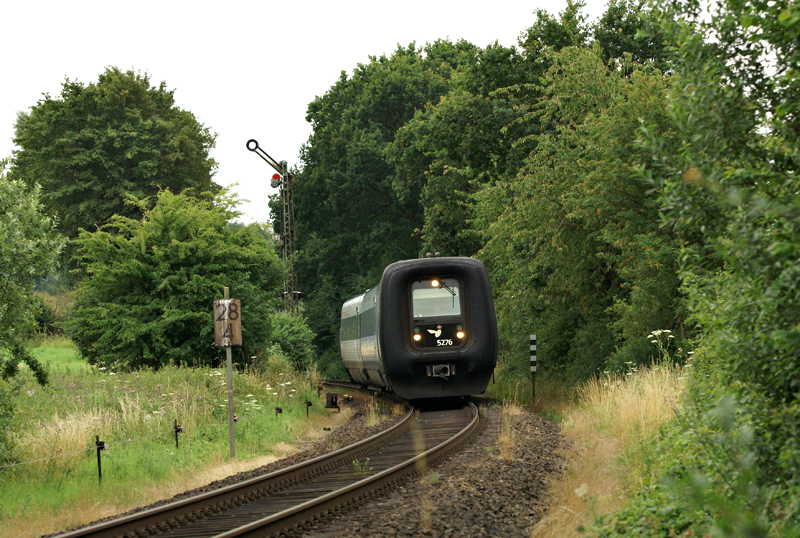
column 300, row 496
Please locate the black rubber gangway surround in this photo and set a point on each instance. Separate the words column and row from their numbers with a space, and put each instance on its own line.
column 305, row 494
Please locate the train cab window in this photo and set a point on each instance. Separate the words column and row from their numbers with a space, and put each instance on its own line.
column 434, row 297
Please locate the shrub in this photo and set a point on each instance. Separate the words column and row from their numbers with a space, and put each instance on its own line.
column 146, row 299
column 295, row 339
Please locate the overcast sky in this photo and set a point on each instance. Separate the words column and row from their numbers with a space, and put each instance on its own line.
column 246, row 69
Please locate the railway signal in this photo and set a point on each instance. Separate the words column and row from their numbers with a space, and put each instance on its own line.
column 283, row 179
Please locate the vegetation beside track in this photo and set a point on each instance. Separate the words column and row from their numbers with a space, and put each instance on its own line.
column 134, row 412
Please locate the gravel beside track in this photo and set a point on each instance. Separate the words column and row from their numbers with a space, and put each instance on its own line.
column 477, row 493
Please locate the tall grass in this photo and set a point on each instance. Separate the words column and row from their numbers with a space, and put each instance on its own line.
column 134, row 413
column 606, row 425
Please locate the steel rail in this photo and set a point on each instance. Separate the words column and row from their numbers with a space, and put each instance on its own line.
column 194, row 508
column 308, row 513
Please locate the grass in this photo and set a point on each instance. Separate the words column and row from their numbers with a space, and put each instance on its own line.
column 134, row 413
column 60, row 355
column 607, row 424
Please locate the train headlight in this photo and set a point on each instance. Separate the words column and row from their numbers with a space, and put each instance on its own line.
column 435, row 283
column 417, row 337
column 460, row 334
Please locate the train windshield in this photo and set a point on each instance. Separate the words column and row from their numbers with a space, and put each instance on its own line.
column 434, row 297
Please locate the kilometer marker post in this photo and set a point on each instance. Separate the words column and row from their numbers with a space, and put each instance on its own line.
column 228, row 332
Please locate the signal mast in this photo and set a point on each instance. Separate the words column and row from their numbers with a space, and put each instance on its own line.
column 283, row 181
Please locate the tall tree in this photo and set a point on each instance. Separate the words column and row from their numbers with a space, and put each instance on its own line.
column 577, row 253
column 30, row 248
column 95, row 144
column 350, row 221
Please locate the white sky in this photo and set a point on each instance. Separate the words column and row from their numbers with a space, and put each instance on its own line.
column 246, row 69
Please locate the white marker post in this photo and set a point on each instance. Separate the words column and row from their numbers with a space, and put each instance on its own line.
column 228, row 332
column 533, row 368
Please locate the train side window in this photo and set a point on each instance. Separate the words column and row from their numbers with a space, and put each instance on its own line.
column 432, row 298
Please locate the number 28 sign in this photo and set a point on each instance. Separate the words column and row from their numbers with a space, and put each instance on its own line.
column 227, row 322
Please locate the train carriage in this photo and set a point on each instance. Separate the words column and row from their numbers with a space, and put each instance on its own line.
column 427, row 330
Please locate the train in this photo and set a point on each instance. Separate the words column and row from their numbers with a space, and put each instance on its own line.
column 427, row 330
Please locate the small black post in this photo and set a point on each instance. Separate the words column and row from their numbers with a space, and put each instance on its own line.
column 178, row 429
column 533, row 368
column 332, row 401
column 278, row 410
column 308, row 404
column 100, row 446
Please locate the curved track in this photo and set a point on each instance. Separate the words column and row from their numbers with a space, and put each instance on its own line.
column 299, row 496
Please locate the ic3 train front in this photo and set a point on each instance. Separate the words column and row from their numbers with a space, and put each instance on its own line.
column 427, row 330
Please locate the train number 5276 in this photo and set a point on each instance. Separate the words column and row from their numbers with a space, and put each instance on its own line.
column 447, row 342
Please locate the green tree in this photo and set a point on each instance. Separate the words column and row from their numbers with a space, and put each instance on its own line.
column 150, row 283
column 733, row 188
column 95, row 144
column 350, row 221
column 30, row 248
column 629, row 27
column 577, row 254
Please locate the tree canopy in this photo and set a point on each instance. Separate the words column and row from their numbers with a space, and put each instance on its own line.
column 416, row 152
column 146, row 299
column 95, row 144
column 30, row 248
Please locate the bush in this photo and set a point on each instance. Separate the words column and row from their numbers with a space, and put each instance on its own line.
column 295, row 339
column 150, row 284
column 6, row 417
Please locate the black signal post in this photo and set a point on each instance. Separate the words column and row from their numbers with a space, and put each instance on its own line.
column 283, row 179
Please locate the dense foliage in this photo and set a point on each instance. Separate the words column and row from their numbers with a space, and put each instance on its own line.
column 150, row 283
column 95, row 144
column 350, row 221
column 732, row 187
column 423, row 151
column 577, row 251
column 634, row 175
column 30, row 248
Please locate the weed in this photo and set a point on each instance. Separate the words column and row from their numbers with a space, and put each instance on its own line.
column 361, row 470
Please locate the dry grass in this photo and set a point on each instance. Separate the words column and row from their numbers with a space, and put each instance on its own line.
column 611, row 418
column 507, row 440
